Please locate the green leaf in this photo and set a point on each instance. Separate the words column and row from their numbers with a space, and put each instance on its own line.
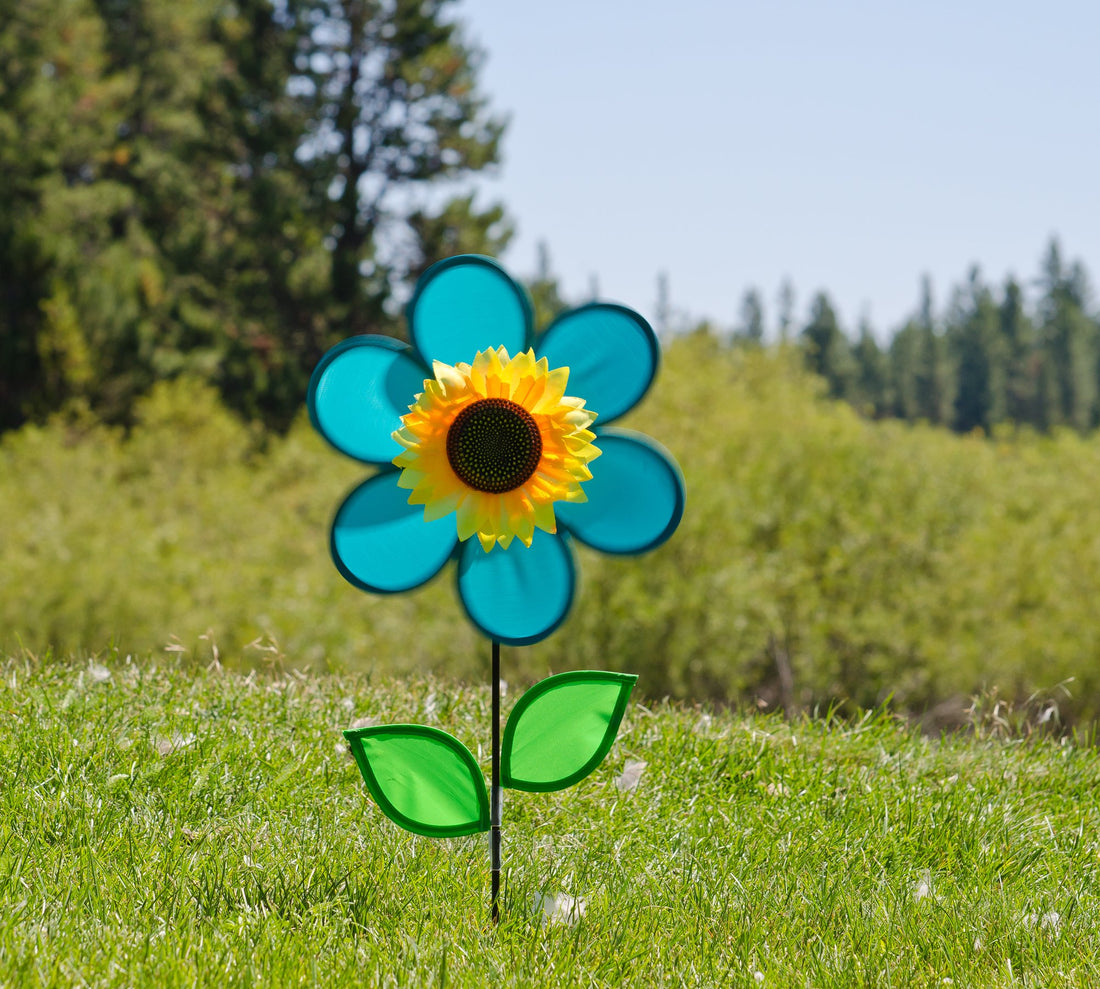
column 560, row 730
column 423, row 779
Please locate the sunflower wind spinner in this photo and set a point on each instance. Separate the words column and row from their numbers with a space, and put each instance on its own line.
column 480, row 429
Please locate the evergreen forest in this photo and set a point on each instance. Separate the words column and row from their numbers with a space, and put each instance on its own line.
column 993, row 356
column 223, row 191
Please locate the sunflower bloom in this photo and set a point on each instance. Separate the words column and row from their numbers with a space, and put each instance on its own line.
column 497, row 442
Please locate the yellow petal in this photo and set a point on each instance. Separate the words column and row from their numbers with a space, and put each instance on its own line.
column 580, row 419
column 525, row 529
column 522, row 364
column 545, row 519
column 449, row 378
column 439, row 507
column 556, row 381
column 527, row 391
column 466, row 518
column 567, row 447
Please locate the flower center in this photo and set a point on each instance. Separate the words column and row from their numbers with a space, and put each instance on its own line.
column 494, row 445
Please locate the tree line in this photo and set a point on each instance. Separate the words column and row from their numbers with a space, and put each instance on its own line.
column 224, row 190
column 991, row 357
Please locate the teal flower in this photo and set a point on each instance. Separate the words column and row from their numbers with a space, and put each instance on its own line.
column 478, row 428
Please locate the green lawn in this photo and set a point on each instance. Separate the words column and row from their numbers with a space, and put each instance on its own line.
column 167, row 827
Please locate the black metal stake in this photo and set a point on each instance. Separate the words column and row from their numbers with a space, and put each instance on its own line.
column 496, row 806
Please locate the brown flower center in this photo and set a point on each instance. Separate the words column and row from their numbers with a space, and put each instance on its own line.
column 494, row 445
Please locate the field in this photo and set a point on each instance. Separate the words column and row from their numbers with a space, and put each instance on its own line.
column 178, row 806
column 163, row 824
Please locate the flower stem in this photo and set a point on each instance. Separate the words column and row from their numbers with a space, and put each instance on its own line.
column 497, row 803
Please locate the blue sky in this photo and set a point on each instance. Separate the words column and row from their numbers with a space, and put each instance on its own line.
column 848, row 146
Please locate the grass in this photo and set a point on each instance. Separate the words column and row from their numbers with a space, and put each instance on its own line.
column 162, row 826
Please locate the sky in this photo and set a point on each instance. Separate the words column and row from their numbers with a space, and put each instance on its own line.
column 847, row 146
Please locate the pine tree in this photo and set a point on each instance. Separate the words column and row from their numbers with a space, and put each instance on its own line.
column 394, row 107
column 872, row 373
column 221, row 190
column 785, row 304
column 1069, row 344
column 1023, row 361
column 663, row 309
column 272, row 266
column 61, row 212
column 974, row 334
column 904, row 391
column 934, row 375
column 751, row 327
column 827, row 350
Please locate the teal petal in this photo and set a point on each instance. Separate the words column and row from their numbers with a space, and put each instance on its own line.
column 467, row 304
column 611, row 352
column 635, row 497
column 518, row 595
column 359, row 391
column 382, row 544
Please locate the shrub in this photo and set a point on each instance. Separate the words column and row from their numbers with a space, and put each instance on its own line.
column 822, row 559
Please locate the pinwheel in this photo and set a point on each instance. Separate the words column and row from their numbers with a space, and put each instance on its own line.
column 476, row 428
